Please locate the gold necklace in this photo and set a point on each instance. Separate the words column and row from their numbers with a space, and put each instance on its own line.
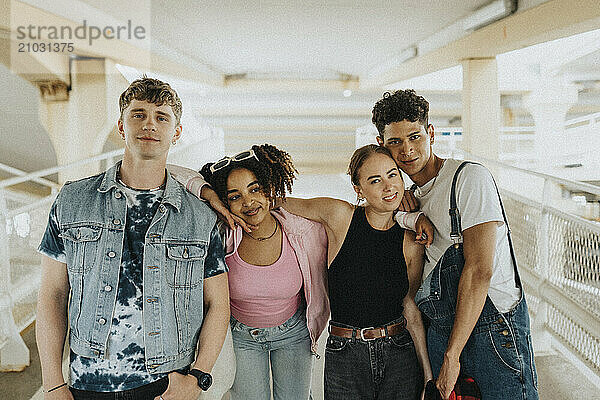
column 266, row 237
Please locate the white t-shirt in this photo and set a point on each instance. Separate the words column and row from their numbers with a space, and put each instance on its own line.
column 477, row 203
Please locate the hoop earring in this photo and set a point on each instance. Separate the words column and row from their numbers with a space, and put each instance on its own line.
column 174, row 142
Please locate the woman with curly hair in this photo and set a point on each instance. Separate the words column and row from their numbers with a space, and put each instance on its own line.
column 277, row 276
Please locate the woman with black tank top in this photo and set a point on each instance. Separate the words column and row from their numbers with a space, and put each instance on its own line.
column 376, row 347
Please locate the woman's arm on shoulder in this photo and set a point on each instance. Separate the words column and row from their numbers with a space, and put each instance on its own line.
column 190, row 179
column 195, row 184
column 326, row 210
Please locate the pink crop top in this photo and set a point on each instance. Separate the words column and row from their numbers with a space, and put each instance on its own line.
column 265, row 296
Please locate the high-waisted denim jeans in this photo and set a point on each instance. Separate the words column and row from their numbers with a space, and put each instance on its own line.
column 146, row 392
column 283, row 351
column 380, row 369
column 498, row 354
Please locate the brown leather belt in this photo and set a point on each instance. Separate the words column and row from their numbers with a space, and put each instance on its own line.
column 368, row 333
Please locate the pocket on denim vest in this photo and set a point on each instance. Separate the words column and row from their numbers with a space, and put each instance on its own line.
column 81, row 247
column 185, row 264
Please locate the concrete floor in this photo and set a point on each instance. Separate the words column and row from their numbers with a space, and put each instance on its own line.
column 23, row 385
column 558, row 379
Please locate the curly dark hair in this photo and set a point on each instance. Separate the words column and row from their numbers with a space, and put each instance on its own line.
column 274, row 171
column 152, row 91
column 398, row 106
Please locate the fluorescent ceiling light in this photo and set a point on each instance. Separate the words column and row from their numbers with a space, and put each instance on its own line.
column 490, row 13
column 406, row 54
column 403, row 56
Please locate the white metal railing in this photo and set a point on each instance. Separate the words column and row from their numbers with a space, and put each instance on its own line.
column 559, row 258
column 41, row 181
column 33, row 176
column 19, row 275
column 588, row 120
column 516, row 143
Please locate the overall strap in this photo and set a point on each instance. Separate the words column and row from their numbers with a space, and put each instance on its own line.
column 455, row 232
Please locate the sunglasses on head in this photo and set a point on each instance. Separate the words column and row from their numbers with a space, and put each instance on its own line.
column 225, row 161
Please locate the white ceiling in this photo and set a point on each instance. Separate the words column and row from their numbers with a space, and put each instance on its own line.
column 296, row 58
column 304, row 39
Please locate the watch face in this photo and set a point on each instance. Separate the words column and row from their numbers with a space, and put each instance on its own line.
column 205, row 381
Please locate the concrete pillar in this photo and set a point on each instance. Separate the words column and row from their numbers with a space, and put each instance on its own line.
column 548, row 105
column 79, row 125
column 481, row 107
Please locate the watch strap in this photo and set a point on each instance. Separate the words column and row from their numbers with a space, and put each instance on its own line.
column 204, row 378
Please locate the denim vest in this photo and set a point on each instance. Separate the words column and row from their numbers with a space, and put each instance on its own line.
column 91, row 216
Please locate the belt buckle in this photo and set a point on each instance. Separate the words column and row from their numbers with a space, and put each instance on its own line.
column 362, row 334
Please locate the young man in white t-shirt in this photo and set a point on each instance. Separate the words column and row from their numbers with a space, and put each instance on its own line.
column 469, row 287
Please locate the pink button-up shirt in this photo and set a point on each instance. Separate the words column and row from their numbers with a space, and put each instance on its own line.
column 309, row 241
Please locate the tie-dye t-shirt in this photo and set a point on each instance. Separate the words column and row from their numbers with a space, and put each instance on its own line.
column 124, row 367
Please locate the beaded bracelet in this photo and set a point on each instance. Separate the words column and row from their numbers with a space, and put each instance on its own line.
column 56, row 387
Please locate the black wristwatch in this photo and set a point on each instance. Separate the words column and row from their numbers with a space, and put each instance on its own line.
column 204, row 378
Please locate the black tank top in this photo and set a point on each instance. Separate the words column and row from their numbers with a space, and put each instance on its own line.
column 368, row 278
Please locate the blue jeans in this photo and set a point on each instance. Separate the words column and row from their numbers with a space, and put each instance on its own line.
column 382, row 369
column 283, row 351
column 498, row 354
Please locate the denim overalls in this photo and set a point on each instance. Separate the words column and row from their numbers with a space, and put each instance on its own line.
column 498, row 354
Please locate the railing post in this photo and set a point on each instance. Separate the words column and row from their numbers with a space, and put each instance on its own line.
column 108, row 163
column 14, row 354
column 541, row 336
